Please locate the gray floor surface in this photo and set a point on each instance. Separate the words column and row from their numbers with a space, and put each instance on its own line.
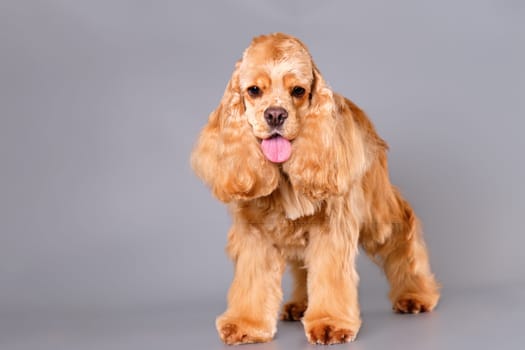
column 481, row 318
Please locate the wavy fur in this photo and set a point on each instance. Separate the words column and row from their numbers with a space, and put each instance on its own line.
column 312, row 211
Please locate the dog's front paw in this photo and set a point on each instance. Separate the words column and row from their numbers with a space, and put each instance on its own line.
column 293, row 311
column 241, row 330
column 330, row 331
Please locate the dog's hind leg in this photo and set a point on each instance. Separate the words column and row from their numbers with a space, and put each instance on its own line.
column 400, row 250
column 294, row 309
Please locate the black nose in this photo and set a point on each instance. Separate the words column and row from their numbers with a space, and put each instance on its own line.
column 275, row 116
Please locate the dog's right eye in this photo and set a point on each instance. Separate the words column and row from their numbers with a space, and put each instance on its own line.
column 254, row 91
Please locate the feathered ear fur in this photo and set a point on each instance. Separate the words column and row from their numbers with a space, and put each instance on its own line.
column 228, row 157
column 329, row 153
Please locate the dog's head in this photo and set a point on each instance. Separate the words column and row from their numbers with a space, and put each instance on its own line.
column 276, row 82
column 277, row 115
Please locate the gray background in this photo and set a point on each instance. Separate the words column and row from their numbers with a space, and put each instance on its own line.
column 107, row 240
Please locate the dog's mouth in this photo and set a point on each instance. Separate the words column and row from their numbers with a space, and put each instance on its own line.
column 276, row 148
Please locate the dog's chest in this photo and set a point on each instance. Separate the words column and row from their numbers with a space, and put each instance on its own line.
column 291, row 238
column 292, row 224
column 295, row 205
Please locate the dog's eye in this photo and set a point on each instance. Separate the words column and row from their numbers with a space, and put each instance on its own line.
column 298, row 91
column 254, row 91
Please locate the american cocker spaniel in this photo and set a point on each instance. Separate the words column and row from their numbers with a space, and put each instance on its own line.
column 305, row 177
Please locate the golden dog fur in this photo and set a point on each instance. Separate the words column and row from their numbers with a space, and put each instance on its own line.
column 311, row 211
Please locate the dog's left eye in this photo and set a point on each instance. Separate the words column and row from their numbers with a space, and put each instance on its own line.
column 298, row 91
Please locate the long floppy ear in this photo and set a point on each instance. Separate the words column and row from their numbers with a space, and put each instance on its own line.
column 228, row 157
column 329, row 153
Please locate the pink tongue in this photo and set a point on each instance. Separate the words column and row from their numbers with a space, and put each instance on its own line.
column 277, row 149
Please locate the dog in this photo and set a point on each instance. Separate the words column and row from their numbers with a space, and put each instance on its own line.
column 305, row 177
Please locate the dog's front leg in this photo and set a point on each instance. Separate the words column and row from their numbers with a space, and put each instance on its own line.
column 332, row 315
column 255, row 293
